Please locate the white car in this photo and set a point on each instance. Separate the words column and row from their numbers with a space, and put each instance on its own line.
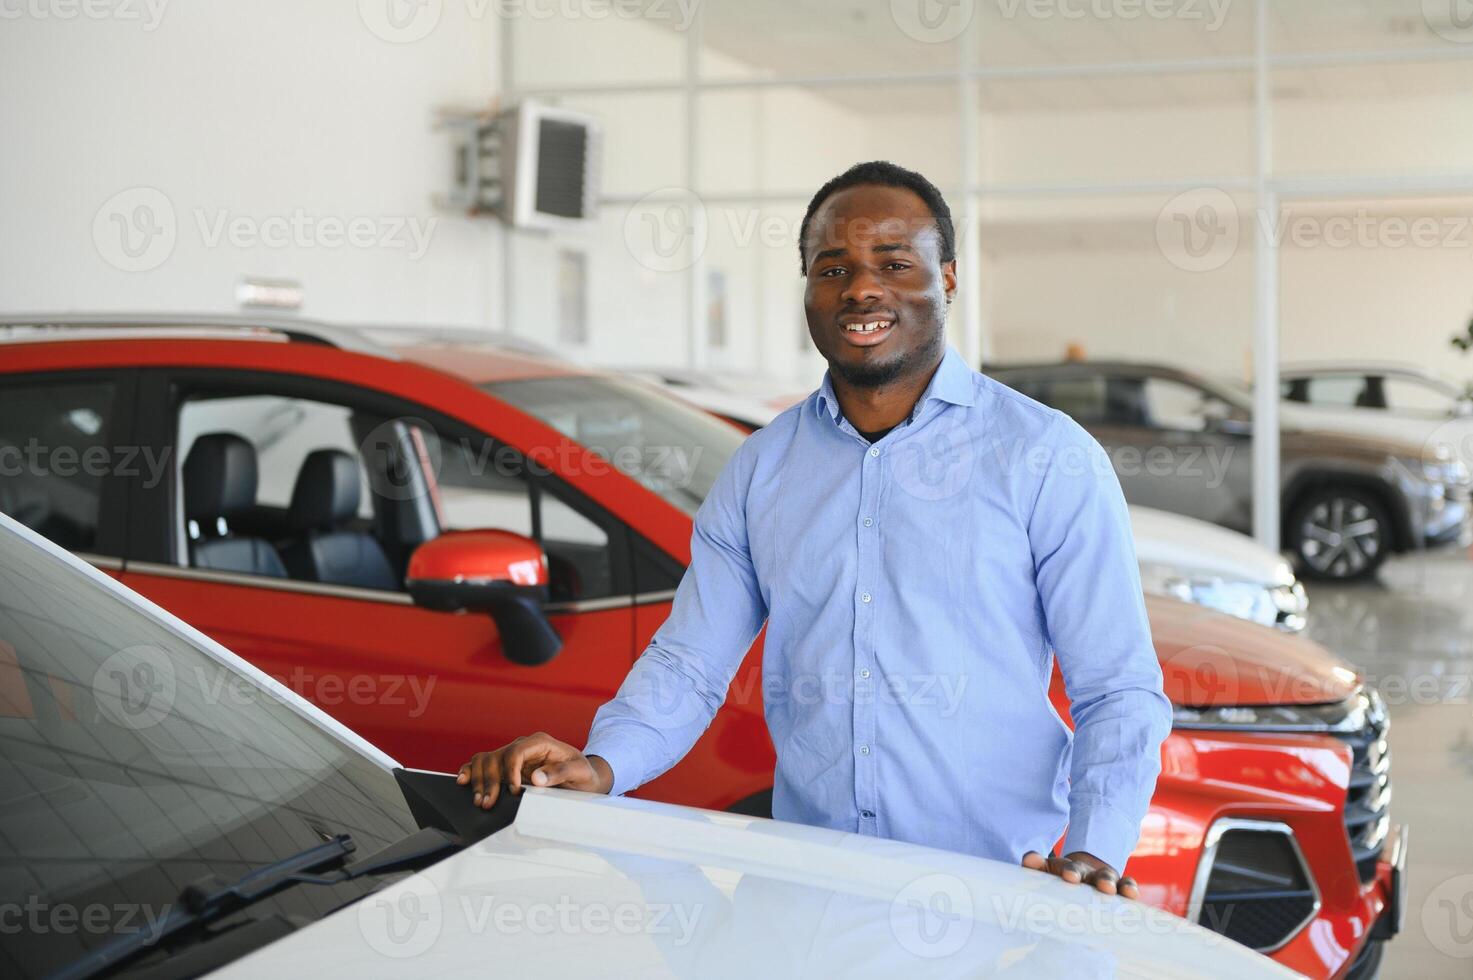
column 1196, row 561
column 168, row 806
column 1179, row 556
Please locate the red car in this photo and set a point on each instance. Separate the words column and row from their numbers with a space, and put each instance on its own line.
column 448, row 544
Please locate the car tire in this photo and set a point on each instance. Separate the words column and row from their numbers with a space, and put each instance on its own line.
column 1367, row 965
column 1339, row 533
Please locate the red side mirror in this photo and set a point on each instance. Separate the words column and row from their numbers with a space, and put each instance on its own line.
column 498, row 572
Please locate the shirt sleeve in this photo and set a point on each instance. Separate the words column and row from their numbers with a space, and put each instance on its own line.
column 676, row 686
column 1094, row 609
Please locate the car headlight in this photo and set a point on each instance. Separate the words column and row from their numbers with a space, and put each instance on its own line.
column 1442, row 467
column 1349, row 715
column 1282, row 605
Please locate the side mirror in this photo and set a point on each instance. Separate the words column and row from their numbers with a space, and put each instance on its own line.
column 1220, row 417
column 497, row 572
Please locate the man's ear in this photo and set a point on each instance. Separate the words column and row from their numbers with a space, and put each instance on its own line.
column 948, row 279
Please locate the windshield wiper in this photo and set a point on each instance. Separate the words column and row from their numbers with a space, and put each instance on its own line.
column 211, row 898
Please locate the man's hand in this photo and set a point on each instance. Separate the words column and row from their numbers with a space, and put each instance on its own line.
column 538, row 759
column 1084, row 867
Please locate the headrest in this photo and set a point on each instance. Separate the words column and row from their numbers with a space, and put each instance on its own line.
column 327, row 490
column 219, row 476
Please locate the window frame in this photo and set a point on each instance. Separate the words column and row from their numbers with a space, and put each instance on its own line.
column 160, row 541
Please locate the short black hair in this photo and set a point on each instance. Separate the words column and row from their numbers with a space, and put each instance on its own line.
column 886, row 174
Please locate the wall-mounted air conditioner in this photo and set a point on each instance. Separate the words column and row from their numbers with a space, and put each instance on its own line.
column 533, row 166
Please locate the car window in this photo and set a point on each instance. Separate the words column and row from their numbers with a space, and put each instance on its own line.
column 55, row 454
column 1339, row 391
column 483, row 484
column 669, row 447
column 133, row 762
column 282, row 430
column 1171, row 404
column 329, row 534
column 1411, row 396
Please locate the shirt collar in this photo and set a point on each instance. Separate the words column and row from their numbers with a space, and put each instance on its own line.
column 951, row 383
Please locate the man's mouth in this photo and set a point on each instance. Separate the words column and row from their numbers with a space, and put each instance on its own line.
column 865, row 331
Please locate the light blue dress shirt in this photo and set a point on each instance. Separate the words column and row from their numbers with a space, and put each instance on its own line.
column 916, row 592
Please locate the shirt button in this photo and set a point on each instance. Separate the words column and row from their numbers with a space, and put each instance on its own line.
column 864, row 673
column 874, row 450
column 864, row 598
column 867, row 814
column 864, row 750
column 868, row 521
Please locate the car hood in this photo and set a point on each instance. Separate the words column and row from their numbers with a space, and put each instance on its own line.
column 1202, row 549
column 583, row 885
column 1211, row 659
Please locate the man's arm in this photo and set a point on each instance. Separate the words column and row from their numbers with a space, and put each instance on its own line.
column 679, row 683
column 675, row 688
column 1089, row 583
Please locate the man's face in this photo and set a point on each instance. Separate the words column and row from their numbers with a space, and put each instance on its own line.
column 877, row 290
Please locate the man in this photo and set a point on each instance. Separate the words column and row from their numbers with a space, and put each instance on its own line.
column 921, row 542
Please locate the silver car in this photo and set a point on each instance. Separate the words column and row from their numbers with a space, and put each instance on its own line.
column 1352, row 494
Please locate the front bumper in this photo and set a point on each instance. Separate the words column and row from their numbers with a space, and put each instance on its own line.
column 1395, row 858
column 1301, row 781
column 1449, row 519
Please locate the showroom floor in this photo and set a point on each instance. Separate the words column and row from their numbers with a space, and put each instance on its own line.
column 1411, row 632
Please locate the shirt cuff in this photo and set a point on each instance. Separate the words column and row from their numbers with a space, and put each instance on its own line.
column 1102, row 831
column 623, row 768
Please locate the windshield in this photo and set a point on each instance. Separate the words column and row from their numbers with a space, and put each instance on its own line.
column 669, row 447
column 132, row 762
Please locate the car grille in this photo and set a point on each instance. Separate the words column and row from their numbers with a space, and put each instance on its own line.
column 1366, row 818
column 1258, row 890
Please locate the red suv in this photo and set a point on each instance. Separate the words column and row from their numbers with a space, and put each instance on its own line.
column 448, row 543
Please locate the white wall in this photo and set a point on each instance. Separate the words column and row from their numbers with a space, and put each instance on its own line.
column 274, row 109
column 285, row 109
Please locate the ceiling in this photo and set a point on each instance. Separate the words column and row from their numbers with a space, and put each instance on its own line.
column 778, row 38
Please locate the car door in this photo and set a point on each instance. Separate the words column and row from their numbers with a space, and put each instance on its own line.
column 1176, row 446
column 428, row 687
column 65, row 452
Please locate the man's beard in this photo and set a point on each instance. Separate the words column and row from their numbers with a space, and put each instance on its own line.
column 878, row 375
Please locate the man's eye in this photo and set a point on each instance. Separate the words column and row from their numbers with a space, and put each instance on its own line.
column 901, row 266
column 829, row 273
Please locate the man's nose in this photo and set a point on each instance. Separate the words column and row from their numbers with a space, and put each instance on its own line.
column 864, row 287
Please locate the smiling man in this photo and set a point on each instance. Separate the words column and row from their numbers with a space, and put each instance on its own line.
column 922, row 542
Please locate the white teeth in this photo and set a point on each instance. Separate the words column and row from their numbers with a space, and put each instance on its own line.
column 870, row 327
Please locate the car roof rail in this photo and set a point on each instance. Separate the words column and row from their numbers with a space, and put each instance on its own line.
column 19, row 327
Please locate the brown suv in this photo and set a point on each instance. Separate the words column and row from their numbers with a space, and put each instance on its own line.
column 1180, row 441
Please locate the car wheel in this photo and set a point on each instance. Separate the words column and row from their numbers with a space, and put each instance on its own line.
column 1340, row 533
column 1367, row 965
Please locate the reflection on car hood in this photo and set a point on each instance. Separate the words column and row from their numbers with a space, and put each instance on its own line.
column 585, row 885
column 1208, row 658
column 1199, row 548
